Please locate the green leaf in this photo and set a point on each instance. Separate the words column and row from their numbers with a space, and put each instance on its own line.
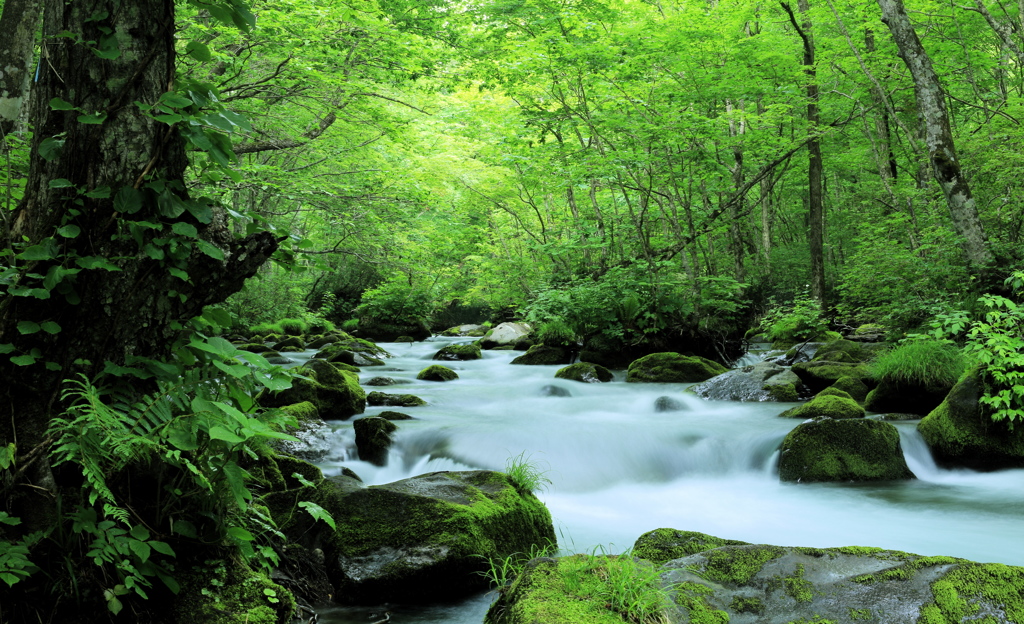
column 128, row 200
column 170, row 205
column 45, row 250
column 69, row 231
column 23, row 360
column 210, row 249
column 59, row 104
column 240, row 534
column 153, row 251
column 50, row 327
column 28, row 327
column 220, row 433
column 318, row 513
column 168, row 119
column 102, row 192
column 201, row 211
column 178, row 273
column 175, row 100
column 198, row 51
column 50, row 148
column 6, row 347
column 185, row 229
column 96, row 262
column 93, row 119
column 58, row 183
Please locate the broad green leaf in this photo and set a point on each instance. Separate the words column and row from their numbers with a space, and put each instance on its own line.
column 210, row 249
column 185, row 229
column 94, row 118
column 28, row 327
column 102, row 192
column 198, row 51
column 59, row 104
column 240, row 534
column 220, row 433
column 318, row 513
column 69, row 231
column 50, row 148
column 50, row 327
column 58, row 183
column 128, row 200
column 23, row 360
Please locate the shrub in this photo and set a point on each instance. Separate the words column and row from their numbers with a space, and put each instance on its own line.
column 266, row 328
column 320, row 326
column 997, row 342
column 921, row 363
column 350, row 325
column 556, row 333
column 397, row 303
column 799, row 322
column 293, row 326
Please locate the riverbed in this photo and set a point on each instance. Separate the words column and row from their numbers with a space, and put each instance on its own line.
column 619, row 468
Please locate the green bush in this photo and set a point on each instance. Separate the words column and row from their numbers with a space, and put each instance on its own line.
column 997, row 341
column 397, row 303
column 293, row 326
column 798, row 322
column 556, row 333
column 922, row 363
column 266, row 328
column 320, row 326
column 350, row 325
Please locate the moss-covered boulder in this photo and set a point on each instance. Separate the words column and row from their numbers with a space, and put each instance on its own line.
column 310, row 431
column 436, row 372
column 845, row 351
column 454, row 353
column 544, row 355
column 960, row 432
column 856, row 388
column 335, row 393
column 394, row 400
column 764, row 381
column 671, row 367
column 664, row 545
column 385, row 331
column 585, row 372
column 390, row 415
column 346, row 342
column 905, row 397
column 818, row 375
column 853, row 449
column 255, row 347
column 833, row 391
column 469, row 329
column 429, row 538
column 382, row 381
column 373, row 439
column 827, row 406
column 405, row 339
column 226, row 591
column 290, row 343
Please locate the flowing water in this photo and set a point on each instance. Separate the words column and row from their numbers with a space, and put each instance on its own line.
column 619, row 468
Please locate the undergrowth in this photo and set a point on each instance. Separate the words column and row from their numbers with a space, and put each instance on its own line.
column 926, row 362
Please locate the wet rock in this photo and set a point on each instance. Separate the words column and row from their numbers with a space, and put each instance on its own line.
column 465, row 330
column 830, row 405
column 381, row 381
column 856, row 388
column 312, row 433
column 818, row 375
column 394, row 400
column 906, row 397
column 764, row 381
column 437, row 372
column 663, row 545
column 428, row 538
column 668, row 404
column 373, row 439
column 554, row 391
column 544, row 355
column 292, row 342
column 585, row 372
column 672, row 368
column 505, row 334
column 455, row 353
column 335, row 393
column 389, row 415
column 854, row 449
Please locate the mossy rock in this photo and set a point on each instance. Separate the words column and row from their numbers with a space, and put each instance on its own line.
column 304, row 412
column 961, row 434
column 783, row 393
column 382, row 381
column 255, row 347
column 664, row 545
column 319, row 343
column 844, row 351
column 429, row 538
column 345, row 342
column 856, row 388
column 455, row 353
column 833, row 391
column 373, row 439
column 405, row 339
column 394, row 400
column 905, row 397
column 544, row 355
column 853, row 449
column 585, row 372
column 389, row 415
column 335, row 393
column 818, row 375
column 291, row 342
column 764, row 381
column 668, row 367
column 385, row 331
column 225, row 591
column 337, row 353
column 436, row 372
column 826, row 406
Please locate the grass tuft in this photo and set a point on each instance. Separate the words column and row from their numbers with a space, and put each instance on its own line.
column 525, row 474
column 920, row 362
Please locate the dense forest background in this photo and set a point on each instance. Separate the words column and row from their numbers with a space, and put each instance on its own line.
column 667, row 173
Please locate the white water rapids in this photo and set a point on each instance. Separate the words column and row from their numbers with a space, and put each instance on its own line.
column 619, row 469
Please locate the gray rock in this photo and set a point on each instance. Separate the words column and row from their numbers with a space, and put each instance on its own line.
column 668, row 404
column 312, row 444
column 505, row 334
column 373, row 439
column 554, row 391
column 750, row 383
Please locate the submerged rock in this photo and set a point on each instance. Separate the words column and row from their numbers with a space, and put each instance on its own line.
column 960, row 433
column 671, row 367
column 854, row 449
column 585, row 372
column 429, row 538
column 373, row 439
column 764, row 381
column 382, row 381
column 554, row 391
column 668, row 404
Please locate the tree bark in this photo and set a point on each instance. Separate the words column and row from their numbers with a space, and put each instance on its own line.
column 135, row 309
column 815, row 202
column 17, row 41
column 938, row 135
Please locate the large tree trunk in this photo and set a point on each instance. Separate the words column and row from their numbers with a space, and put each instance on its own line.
column 17, row 40
column 135, row 309
column 815, row 203
column 931, row 105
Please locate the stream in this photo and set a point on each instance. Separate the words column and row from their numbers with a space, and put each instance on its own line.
column 619, row 468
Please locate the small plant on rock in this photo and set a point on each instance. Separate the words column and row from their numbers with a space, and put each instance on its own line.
column 525, row 474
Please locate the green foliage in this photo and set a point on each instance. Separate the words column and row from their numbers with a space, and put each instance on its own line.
column 798, row 322
column 398, row 303
column 501, row 572
column 929, row 363
column 526, row 475
column 997, row 342
column 293, row 326
column 631, row 587
column 556, row 333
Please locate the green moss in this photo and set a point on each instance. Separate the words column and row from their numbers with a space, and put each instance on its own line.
column 459, row 352
column 854, row 449
column 663, row 545
column 818, row 375
column 797, row 587
column 302, row 412
column 227, row 592
column 738, row 564
column 856, row 388
column 833, row 391
column 958, row 592
column 908, row 566
column 335, row 393
column 693, row 597
column 843, row 351
column 742, row 604
column 671, row 367
column 830, row 405
column 394, row 400
column 436, row 372
column 860, row 614
column 544, row 355
column 783, row 393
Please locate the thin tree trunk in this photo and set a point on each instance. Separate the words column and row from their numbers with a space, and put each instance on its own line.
column 938, row 135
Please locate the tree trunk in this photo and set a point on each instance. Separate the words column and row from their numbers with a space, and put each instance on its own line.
column 815, row 203
column 17, row 41
column 938, row 135
column 136, row 307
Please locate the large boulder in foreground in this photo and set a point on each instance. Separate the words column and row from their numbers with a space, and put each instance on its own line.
column 671, row 367
column 585, row 372
column 429, row 538
column 506, row 334
column 960, row 433
column 763, row 584
column 843, row 450
column 764, row 381
column 335, row 393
